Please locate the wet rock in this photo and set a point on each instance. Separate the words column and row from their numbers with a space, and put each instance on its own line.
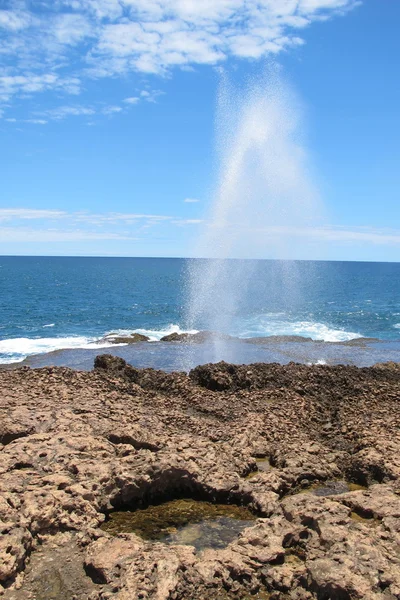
column 175, row 337
column 274, row 339
column 187, row 522
column 194, row 338
column 133, row 338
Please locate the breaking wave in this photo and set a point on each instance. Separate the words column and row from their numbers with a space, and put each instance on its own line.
column 271, row 324
column 154, row 334
column 15, row 350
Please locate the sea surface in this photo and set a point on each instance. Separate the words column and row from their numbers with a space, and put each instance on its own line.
column 57, row 310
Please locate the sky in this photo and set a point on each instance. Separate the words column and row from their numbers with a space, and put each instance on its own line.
column 108, row 113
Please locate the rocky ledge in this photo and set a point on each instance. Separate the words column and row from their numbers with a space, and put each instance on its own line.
column 75, row 445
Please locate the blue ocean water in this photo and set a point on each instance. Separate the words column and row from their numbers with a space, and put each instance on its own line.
column 52, row 303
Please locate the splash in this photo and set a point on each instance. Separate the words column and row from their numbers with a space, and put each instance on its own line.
column 264, row 199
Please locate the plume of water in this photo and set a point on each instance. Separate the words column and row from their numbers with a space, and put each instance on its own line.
column 263, row 198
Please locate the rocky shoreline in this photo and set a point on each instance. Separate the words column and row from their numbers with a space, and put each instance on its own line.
column 312, row 451
column 209, row 336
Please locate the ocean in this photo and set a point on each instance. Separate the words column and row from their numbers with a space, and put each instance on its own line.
column 57, row 310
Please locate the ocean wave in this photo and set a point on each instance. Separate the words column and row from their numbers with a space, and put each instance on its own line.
column 154, row 334
column 397, row 326
column 15, row 350
column 262, row 326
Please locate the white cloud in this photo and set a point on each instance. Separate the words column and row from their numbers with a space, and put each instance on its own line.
column 191, row 200
column 150, row 95
column 29, row 83
column 369, row 235
column 62, row 112
column 115, row 37
column 25, row 234
column 111, row 110
column 181, row 222
column 147, row 95
column 67, row 111
column 47, row 225
column 36, row 121
column 132, row 100
column 117, row 217
column 97, row 226
column 347, row 235
column 70, row 29
column 7, row 214
column 14, row 20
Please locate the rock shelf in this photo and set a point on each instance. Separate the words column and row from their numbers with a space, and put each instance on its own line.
column 76, row 445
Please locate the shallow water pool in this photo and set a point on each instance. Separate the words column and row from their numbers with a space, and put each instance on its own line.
column 188, row 522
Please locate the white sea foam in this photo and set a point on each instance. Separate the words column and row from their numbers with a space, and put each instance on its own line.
column 264, row 325
column 267, row 325
column 154, row 334
column 321, row 361
column 17, row 349
column 49, row 325
column 397, row 326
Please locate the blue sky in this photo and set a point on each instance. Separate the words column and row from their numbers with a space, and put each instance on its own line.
column 108, row 110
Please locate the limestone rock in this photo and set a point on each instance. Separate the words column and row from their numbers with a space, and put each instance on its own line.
column 75, row 445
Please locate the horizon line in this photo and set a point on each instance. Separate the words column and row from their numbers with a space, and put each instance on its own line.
column 199, row 258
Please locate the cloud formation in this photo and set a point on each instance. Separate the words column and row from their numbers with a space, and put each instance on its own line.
column 60, row 225
column 57, row 44
column 29, row 225
column 9, row 214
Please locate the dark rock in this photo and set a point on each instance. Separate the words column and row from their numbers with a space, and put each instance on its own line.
column 195, row 338
column 175, row 337
column 133, row 338
column 115, row 366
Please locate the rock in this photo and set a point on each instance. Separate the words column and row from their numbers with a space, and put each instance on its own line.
column 278, row 339
column 175, row 337
column 194, row 338
column 133, row 338
column 77, row 445
column 115, row 366
column 106, row 557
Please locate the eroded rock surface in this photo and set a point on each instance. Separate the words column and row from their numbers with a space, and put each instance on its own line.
column 75, row 445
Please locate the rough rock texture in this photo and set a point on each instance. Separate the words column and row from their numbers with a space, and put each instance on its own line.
column 195, row 338
column 133, row 338
column 74, row 445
